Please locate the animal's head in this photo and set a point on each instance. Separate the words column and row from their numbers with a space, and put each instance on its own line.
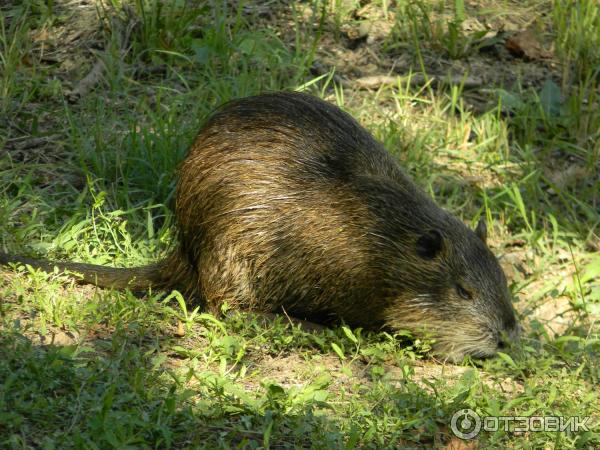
column 460, row 295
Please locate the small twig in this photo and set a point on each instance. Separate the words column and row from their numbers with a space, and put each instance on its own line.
column 288, row 317
column 376, row 81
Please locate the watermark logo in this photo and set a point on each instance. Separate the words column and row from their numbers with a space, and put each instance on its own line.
column 466, row 423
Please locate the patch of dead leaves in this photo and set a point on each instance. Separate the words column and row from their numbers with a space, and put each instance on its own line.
column 527, row 45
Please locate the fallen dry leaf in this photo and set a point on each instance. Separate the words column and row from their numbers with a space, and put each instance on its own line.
column 41, row 35
column 568, row 177
column 526, row 45
column 180, row 331
column 62, row 338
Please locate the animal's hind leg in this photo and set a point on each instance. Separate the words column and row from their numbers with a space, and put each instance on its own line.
column 226, row 277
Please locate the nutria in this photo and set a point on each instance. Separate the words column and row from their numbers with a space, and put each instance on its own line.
column 285, row 202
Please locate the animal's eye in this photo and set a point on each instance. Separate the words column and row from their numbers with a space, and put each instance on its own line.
column 463, row 292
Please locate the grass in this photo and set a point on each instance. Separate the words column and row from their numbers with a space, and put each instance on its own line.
column 420, row 22
column 91, row 179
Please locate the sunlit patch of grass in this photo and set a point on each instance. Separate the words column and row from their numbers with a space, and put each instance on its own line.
column 427, row 24
column 577, row 28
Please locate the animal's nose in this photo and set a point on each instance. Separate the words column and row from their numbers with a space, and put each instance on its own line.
column 511, row 334
column 501, row 343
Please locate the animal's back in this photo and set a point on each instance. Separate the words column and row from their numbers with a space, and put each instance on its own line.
column 284, row 200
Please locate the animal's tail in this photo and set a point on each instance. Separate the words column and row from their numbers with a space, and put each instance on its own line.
column 135, row 278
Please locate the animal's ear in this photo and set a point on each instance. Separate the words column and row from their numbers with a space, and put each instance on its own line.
column 481, row 230
column 429, row 244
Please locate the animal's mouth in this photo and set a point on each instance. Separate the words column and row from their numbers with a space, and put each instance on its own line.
column 452, row 341
column 456, row 351
column 478, row 341
column 454, row 347
column 481, row 344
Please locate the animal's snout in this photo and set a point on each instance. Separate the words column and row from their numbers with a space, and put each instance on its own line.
column 501, row 343
column 509, row 335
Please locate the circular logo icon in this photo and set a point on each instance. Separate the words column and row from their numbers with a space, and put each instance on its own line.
column 465, row 424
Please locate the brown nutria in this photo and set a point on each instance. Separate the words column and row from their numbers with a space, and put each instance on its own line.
column 285, row 202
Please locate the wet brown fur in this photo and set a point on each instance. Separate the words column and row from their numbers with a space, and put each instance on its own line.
column 285, row 201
